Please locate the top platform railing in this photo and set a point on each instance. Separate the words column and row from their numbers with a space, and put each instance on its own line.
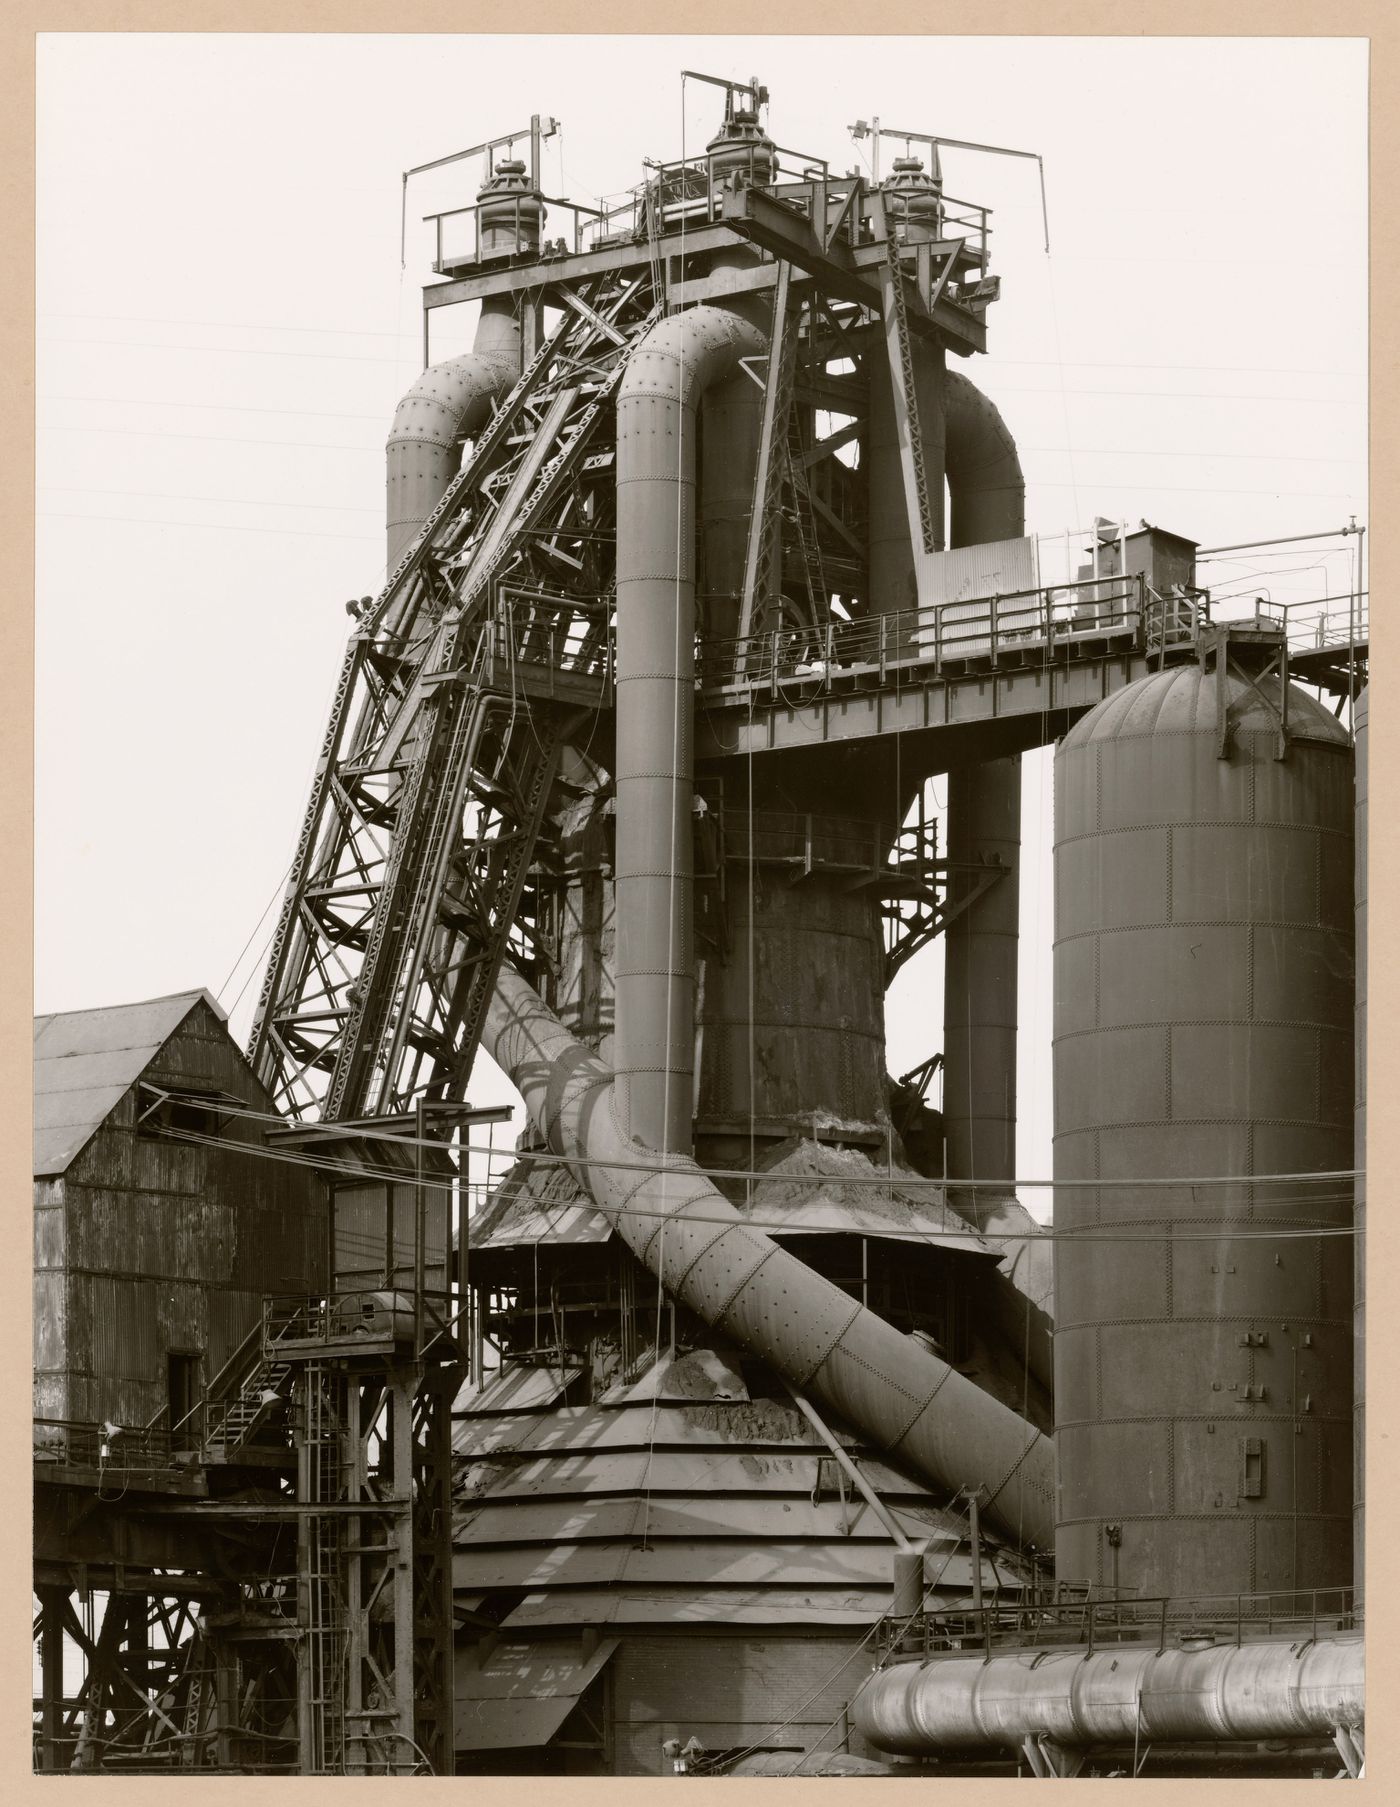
column 1318, row 625
column 1047, row 623
column 690, row 192
column 1053, row 625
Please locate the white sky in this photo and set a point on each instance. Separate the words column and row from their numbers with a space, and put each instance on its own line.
column 224, row 330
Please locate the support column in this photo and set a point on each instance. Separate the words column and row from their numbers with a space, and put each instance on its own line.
column 979, row 1004
column 51, row 1656
column 401, row 1746
column 227, row 1706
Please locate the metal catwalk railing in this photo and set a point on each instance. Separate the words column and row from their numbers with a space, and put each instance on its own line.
column 1029, row 1621
column 1057, row 622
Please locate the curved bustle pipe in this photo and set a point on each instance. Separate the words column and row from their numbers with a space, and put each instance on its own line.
column 985, row 485
column 654, row 871
column 448, row 402
column 897, row 1394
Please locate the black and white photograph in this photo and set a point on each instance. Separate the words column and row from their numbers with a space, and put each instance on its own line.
column 700, row 898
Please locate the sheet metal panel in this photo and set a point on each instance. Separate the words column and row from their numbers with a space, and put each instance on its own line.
column 673, row 1471
column 710, row 1514
column 760, row 1424
column 519, row 1695
column 85, row 1061
column 537, row 1204
column 122, row 1316
column 746, row 1562
column 520, row 1389
column 66, row 1121
column 731, row 1690
column 145, row 1025
column 968, row 576
column 682, row 1605
column 700, row 1374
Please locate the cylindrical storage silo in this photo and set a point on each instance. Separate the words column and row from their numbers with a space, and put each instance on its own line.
column 1359, row 1265
column 1203, row 1029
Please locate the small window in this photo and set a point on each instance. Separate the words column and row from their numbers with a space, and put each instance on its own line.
column 182, row 1111
column 182, row 1396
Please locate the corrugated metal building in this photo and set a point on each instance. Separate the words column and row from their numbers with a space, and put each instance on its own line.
column 152, row 1253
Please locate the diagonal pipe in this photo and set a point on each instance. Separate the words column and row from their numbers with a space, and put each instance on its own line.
column 898, row 1395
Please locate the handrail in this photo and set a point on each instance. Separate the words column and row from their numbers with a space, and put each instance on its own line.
column 1024, row 1620
column 1050, row 615
column 127, row 1448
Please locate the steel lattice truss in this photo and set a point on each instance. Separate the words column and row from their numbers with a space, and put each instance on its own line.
column 457, row 687
column 161, row 1689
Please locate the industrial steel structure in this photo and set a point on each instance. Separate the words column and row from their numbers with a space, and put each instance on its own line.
column 751, row 1425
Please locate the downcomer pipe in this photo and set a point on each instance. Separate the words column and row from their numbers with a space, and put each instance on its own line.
column 987, row 493
column 898, row 1395
column 448, row 402
column 1118, row 1694
column 985, row 485
column 654, row 868
column 1360, row 720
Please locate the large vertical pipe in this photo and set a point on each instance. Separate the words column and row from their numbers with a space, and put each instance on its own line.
column 656, row 465
column 732, row 417
column 984, row 827
column 980, row 961
column 985, row 484
column 448, row 402
column 1359, row 1257
column 892, row 584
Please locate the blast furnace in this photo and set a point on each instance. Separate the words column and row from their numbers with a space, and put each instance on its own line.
column 745, row 1426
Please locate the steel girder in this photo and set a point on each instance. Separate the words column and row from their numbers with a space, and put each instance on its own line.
column 435, row 769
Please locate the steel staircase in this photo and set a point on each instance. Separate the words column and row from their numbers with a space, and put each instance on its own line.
column 251, row 1410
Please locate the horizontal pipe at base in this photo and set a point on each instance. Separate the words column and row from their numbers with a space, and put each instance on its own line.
column 1133, row 1692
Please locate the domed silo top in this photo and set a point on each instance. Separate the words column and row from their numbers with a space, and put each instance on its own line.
column 1183, row 700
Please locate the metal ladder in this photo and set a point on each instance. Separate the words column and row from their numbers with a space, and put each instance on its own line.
column 321, row 1570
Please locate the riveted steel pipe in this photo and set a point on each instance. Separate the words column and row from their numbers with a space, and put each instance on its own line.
column 447, row 402
column 1121, row 1692
column 988, row 495
column 656, row 463
column 1359, row 722
column 898, row 1395
column 985, row 485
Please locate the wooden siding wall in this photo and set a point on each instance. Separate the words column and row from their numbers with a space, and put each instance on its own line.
column 50, row 1301
column 151, row 1246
